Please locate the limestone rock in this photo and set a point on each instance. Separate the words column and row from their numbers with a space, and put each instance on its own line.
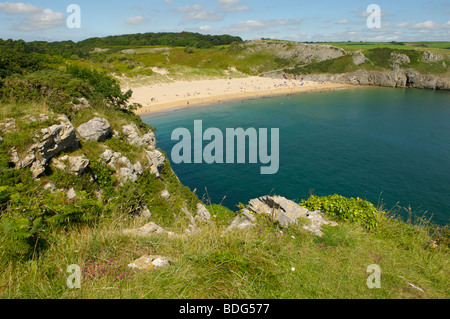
column 150, row 262
column 359, row 58
column 56, row 139
column 149, row 229
column 71, row 194
column 202, row 213
column 398, row 59
column 8, row 126
column 165, row 194
column 288, row 213
column 244, row 220
column 123, row 166
column 431, row 57
column 73, row 164
column 96, row 130
column 156, row 161
column 133, row 137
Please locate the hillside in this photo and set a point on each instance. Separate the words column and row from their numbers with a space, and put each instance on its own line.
column 139, row 60
column 82, row 182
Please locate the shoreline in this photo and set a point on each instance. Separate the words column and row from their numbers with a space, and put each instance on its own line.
column 175, row 96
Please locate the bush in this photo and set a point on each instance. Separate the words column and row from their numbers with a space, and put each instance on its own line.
column 347, row 209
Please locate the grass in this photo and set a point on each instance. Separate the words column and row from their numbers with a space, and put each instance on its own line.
column 261, row 263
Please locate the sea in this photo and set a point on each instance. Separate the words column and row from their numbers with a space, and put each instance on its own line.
column 390, row 146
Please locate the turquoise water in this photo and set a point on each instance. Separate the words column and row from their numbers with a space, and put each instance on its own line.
column 381, row 144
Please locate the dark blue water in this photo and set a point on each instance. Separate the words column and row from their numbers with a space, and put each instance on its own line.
column 383, row 145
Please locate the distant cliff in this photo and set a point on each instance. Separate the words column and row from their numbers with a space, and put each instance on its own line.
column 397, row 78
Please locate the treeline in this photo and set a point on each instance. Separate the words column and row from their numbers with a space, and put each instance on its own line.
column 183, row 39
column 67, row 49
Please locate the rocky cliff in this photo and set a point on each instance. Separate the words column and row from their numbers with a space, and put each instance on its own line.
column 402, row 78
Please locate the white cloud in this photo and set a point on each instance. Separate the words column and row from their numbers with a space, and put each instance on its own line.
column 257, row 25
column 192, row 8
column 430, row 25
column 343, row 21
column 403, row 25
column 135, row 20
column 232, row 6
column 18, row 8
column 35, row 18
column 197, row 13
column 205, row 28
column 168, row 2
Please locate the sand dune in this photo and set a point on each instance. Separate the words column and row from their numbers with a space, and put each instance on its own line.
column 169, row 96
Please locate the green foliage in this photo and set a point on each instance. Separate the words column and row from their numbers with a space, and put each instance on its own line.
column 183, row 39
column 347, row 209
column 103, row 84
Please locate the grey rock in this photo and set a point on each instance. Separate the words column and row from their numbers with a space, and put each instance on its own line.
column 71, row 194
column 8, row 126
column 359, row 58
column 165, row 194
column 431, row 57
column 396, row 78
column 156, row 161
column 133, row 137
column 96, row 130
column 243, row 221
column 147, row 262
column 124, row 168
column 288, row 213
column 73, row 164
column 398, row 59
column 56, row 139
column 38, row 168
column 51, row 187
column 202, row 213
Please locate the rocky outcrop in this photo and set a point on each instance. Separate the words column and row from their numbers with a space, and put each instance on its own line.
column 156, row 161
column 96, row 130
column 431, row 57
column 51, row 142
column 302, row 53
column 134, row 138
column 285, row 212
column 398, row 59
column 122, row 165
column 395, row 78
column 148, row 262
column 359, row 58
column 8, row 125
column 77, row 165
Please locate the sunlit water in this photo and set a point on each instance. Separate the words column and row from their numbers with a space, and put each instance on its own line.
column 384, row 145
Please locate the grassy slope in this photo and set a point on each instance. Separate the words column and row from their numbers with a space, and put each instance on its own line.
column 135, row 69
column 245, row 264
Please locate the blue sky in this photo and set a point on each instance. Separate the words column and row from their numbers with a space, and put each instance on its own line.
column 299, row 20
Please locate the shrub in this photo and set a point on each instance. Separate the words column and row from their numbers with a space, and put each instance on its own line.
column 348, row 209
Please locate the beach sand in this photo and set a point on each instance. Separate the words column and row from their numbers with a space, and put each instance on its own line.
column 177, row 95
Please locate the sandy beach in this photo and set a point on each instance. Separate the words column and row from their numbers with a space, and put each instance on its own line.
column 176, row 95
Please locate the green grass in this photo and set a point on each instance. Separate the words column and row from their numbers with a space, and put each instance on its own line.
column 250, row 264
